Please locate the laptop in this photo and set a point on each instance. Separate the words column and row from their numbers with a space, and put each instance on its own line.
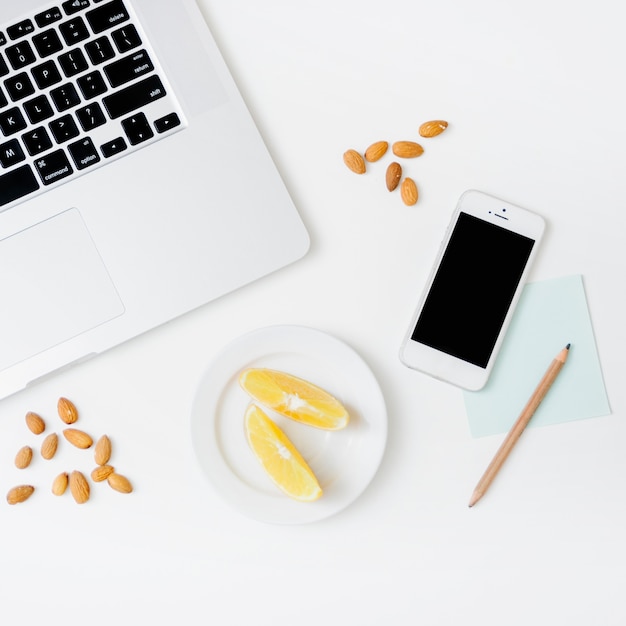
column 134, row 185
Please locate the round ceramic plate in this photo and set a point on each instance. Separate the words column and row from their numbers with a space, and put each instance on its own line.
column 344, row 461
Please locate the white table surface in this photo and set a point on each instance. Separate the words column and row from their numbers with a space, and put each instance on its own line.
column 535, row 99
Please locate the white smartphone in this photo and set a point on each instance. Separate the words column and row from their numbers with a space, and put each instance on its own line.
column 472, row 290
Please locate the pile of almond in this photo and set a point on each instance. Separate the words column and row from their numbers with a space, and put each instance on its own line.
column 76, row 481
column 356, row 161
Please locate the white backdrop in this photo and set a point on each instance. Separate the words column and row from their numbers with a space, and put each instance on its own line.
column 535, row 100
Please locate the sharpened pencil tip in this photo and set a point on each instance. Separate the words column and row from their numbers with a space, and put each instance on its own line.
column 567, row 347
column 474, row 499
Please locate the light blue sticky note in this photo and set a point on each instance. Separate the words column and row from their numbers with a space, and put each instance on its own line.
column 550, row 314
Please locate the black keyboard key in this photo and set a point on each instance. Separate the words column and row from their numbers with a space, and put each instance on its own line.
column 65, row 97
column 11, row 153
column 92, row 85
column 83, row 153
column 135, row 96
column 46, row 74
column 53, row 167
column 25, row 27
column 47, row 42
column 19, row 86
column 91, row 116
column 111, row 148
column 100, row 50
column 64, row 129
column 3, row 39
column 137, row 129
column 74, row 31
column 126, row 38
column 17, row 184
column 4, row 68
column 3, row 99
column 163, row 124
column 107, row 16
column 73, row 6
column 37, row 141
column 20, row 55
column 127, row 69
column 11, row 122
column 73, row 62
column 45, row 18
column 38, row 109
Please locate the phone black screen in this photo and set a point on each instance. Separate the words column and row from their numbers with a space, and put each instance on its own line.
column 472, row 290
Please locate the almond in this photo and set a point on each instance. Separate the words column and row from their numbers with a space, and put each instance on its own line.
column 408, row 191
column 35, row 423
column 49, row 446
column 102, row 453
column 102, row 472
column 79, row 487
column 67, row 411
column 354, row 161
column 119, row 483
column 23, row 457
column 393, row 175
column 78, row 438
column 59, row 485
column 20, row 493
column 407, row 149
column 433, row 128
column 376, row 151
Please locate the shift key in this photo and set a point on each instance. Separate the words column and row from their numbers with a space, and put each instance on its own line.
column 134, row 97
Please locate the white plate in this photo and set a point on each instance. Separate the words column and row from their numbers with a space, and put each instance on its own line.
column 344, row 461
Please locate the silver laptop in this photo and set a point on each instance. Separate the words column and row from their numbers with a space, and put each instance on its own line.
column 134, row 185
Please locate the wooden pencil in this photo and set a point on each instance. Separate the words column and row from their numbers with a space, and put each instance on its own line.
column 519, row 426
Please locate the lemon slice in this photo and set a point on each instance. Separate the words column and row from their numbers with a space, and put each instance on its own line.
column 279, row 457
column 295, row 398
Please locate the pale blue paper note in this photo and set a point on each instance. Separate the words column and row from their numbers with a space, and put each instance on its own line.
column 550, row 314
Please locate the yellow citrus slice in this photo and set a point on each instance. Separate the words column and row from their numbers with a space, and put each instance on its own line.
column 295, row 398
column 279, row 457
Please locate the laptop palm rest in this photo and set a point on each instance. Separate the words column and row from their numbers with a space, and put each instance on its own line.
column 53, row 286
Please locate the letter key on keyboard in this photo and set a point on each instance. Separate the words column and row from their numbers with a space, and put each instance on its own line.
column 79, row 88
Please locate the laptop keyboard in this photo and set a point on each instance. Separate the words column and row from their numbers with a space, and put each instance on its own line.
column 80, row 86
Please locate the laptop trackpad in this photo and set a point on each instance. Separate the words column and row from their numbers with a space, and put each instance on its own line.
column 53, row 286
